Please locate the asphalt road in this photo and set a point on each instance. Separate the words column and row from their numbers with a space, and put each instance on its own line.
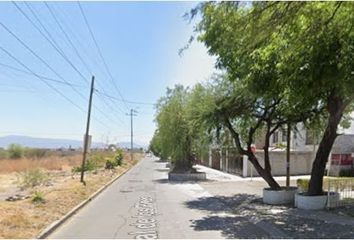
column 140, row 204
column 144, row 204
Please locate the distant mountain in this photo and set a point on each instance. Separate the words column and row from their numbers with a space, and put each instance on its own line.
column 135, row 145
column 51, row 143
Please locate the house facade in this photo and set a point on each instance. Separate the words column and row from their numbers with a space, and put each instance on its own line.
column 303, row 147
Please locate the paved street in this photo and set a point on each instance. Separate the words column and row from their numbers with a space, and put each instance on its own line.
column 143, row 204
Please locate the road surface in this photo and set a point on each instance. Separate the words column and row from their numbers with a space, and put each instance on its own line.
column 140, row 204
column 144, row 204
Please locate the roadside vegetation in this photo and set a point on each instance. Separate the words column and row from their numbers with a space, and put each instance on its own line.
column 281, row 63
column 38, row 186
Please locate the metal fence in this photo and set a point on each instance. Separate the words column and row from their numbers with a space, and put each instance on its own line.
column 225, row 159
column 340, row 192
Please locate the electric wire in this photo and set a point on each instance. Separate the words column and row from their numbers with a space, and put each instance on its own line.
column 100, row 54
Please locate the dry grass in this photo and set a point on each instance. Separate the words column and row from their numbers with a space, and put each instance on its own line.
column 24, row 219
column 48, row 163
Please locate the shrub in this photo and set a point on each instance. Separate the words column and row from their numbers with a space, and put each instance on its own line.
column 346, row 173
column 89, row 166
column 109, row 164
column 303, row 184
column 116, row 161
column 38, row 197
column 15, row 151
column 98, row 159
column 119, row 157
column 32, row 178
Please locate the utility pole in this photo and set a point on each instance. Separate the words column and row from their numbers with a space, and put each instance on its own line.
column 86, row 139
column 288, row 140
column 131, row 114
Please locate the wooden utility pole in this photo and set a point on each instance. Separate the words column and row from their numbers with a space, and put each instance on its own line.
column 86, row 139
column 131, row 114
column 288, row 139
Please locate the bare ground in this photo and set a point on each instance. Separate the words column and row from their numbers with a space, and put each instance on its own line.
column 25, row 219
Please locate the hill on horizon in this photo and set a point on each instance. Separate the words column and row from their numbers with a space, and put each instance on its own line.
column 53, row 143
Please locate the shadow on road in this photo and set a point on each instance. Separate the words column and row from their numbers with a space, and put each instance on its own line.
column 162, row 170
column 166, row 181
column 245, row 216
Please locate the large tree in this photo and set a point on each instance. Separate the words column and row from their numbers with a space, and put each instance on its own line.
column 172, row 137
column 300, row 51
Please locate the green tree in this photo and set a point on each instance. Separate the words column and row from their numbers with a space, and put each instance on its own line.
column 301, row 52
column 173, row 130
column 15, row 151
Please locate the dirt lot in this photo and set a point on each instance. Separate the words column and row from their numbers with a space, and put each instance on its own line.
column 62, row 192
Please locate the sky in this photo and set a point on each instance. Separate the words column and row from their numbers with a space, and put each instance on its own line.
column 44, row 81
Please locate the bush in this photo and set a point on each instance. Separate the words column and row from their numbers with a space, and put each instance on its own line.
column 346, row 173
column 15, row 151
column 38, row 197
column 89, row 166
column 119, row 157
column 32, row 178
column 109, row 164
column 116, row 161
column 98, row 159
column 303, row 184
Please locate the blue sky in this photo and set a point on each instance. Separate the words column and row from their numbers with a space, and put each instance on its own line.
column 139, row 42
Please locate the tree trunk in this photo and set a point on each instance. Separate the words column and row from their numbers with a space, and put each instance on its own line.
column 335, row 108
column 264, row 173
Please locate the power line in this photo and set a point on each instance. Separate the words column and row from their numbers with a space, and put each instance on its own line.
column 44, row 77
column 39, row 77
column 100, row 53
column 75, row 49
column 67, row 38
column 51, row 40
column 40, row 58
column 44, row 62
column 117, row 99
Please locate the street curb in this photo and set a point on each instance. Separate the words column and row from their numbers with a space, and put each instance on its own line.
column 52, row 227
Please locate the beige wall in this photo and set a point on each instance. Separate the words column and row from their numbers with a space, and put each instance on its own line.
column 300, row 163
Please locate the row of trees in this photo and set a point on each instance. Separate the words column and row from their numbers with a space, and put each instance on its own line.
column 282, row 63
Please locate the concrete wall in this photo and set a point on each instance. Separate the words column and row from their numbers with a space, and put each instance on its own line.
column 300, row 163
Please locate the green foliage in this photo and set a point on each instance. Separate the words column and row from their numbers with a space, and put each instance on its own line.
column 116, row 161
column 38, row 197
column 110, row 164
column 32, row 178
column 119, row 157
column 172, row 136
column 89, row 166
column 298, row 55
column 303, row 184
column 15, row 151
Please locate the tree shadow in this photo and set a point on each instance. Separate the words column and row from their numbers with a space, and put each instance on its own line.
column 220, row 203
column 162, row 170
column 166, row 181
column 245, row 216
